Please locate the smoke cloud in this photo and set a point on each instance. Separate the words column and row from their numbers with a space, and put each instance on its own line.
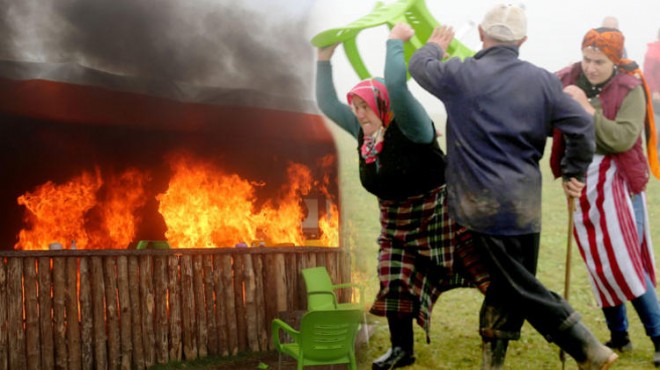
column 247, row 44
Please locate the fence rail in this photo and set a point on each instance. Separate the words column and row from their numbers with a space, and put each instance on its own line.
column 131, row 309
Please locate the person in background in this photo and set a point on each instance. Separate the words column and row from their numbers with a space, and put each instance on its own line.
column 401, row 163
column 652, row 71
column 611, row 220
column 612, row 22
column 500, row 112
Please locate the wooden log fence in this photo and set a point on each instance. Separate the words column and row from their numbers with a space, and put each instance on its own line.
column 132, row 309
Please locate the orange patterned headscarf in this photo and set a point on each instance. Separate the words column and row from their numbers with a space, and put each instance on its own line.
column 608, row 40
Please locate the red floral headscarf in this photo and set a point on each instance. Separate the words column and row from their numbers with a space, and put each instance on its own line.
column 375, row 94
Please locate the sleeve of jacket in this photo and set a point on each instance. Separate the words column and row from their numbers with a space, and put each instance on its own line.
column 578, row 130
column 328, row 102
column 427, row 69
column 410, row 115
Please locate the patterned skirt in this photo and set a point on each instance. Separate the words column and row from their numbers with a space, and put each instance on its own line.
column 422, row 254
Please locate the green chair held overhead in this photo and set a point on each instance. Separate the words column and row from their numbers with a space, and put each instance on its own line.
column 326, row 337
column 321, row 294
column 413, row 12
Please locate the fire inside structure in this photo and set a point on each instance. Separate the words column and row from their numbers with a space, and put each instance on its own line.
column 104, row 161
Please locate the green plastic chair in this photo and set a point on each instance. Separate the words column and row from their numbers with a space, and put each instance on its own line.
column 321, row 294
column 326, row 337
column 413, row 12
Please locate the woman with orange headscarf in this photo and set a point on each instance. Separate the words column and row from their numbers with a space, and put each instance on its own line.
column 611, row 221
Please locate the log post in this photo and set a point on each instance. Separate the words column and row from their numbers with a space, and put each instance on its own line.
column 292, row 279
column 220, row 310
column 32, row 340
column 98, row 309
column 160, row 278
column 175, row 308
column 59, row 312
column 4, row 353
column 136, row 312
column 239, row 302
column 112, row 312
column 16, row 335
column 72, row 323
column 124, row 313
column 228, row 284
column 263, row 327
column 188, row 309
column 147, row 305
column 212, row 330
column 302, row 296
column 200, row 305
column 86, row 315
column 45, row 312
column 250, row 304
column 279, row 276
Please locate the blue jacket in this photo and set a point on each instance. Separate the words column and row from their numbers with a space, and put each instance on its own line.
column 500, row 112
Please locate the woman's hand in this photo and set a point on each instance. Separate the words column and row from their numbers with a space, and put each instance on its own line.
column 402, row 31
column 327, row 52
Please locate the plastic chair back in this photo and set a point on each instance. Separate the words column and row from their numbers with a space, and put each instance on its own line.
column 328, row 336
column 320, row 289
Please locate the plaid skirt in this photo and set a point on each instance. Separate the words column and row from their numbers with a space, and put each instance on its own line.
column 422, row 254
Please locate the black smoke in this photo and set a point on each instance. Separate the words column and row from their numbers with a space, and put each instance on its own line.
column 248, row 44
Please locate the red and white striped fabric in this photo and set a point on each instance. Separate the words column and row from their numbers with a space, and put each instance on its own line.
column 607, row 237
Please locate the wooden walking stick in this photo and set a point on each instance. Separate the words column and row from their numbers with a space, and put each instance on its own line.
column 567, row 277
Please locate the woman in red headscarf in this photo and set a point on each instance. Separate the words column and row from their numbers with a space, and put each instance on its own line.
column 402, row 164
column 611, row 221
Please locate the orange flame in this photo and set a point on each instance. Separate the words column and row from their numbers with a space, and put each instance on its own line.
column 329, row 223
column 202, row 207
column 118, row 221
column 55, row 213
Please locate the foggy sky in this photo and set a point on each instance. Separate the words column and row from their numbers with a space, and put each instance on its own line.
column 555, row 31
column 254, row 44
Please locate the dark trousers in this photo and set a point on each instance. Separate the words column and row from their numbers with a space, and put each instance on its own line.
column 515, row 294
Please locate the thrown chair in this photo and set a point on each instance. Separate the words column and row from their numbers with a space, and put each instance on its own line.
column 321, row 294
column 326, row 337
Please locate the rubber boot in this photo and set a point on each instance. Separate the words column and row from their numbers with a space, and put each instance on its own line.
column 656, row 355
column 583, row 346
column 401, row 353
column 620, row 341
column 493, row 352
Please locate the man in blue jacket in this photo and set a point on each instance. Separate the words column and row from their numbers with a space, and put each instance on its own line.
column 500, row 112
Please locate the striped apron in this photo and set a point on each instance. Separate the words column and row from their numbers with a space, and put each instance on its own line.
column 422, row 254
column 607, row 238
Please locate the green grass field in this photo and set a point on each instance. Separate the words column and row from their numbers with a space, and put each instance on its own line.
column 455, row 343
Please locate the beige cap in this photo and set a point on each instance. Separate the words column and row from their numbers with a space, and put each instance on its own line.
column 505, row 23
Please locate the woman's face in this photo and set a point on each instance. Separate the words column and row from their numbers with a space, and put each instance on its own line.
column 597, row 67
column 368, row 119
